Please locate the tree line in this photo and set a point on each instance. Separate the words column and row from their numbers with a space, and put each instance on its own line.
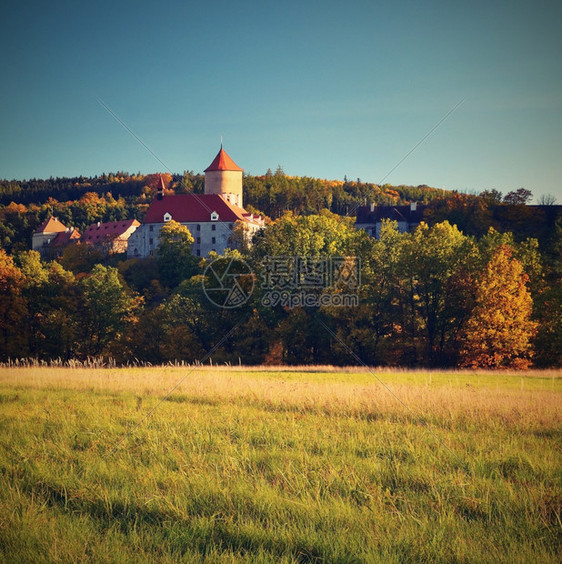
column 434, row 297
column 81, row 201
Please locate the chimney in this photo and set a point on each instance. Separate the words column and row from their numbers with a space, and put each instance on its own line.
column 413, row 206
column 372, row 208
column 99, row 224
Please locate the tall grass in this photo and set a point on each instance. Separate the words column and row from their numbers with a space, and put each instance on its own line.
column 239, row 465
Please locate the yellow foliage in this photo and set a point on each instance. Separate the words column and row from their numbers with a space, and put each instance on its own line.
column 499, row 331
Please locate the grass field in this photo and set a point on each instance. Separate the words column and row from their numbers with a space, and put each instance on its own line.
column 274, row 465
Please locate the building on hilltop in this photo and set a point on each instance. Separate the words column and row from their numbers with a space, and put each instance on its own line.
column 52, row 237
column 370, row 218
column 210, row 217
column 111, row 237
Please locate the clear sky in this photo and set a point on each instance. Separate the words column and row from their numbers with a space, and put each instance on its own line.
column 323, row 88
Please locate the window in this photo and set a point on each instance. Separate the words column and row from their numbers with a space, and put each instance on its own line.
column 198, row 253
column 198, row 227
column 214, row 216
column 151, row 241
column 151, row 228
column 198, row 240
column 167, row 217
column 213, row 227
column 213, row 240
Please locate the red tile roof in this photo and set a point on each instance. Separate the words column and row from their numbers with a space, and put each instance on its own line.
column 223, row 162
column 98, row 231
column 190, row 208
column 51, row 225
column 64, row 238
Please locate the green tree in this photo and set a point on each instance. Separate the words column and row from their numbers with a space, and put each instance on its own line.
column 106, row 309
column 35, row 278
column 499, row 331
column 60, row 321
column 433, row 263
column 325, row 234
column 175, row 259
column 548, row 342
column 304, row 238
column 51, row 295
column 185, row 185
column 364, row 328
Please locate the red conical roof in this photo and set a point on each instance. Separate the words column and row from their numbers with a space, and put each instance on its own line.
column 223, row 162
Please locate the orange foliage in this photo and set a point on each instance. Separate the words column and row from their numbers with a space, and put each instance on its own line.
column 499, row 331
column 12, row 207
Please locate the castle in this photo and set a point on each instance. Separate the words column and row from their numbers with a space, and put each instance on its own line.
column 210, row 217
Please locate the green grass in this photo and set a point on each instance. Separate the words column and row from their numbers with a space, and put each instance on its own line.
column 270, row 465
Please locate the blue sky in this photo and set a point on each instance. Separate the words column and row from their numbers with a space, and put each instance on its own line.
column 324, row 88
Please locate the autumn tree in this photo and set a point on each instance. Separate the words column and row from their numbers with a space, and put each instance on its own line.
column 155, row 182
column 492, row 196
column 471, row 214
column 13, row 309
column 526, row 252
column 499, row 331
column 518, row 197
column 81, row 257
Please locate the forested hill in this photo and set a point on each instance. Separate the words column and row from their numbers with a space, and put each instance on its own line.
column 81, row 201
column 272, row 193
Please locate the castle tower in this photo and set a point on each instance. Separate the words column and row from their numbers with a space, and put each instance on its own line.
column 223, row 176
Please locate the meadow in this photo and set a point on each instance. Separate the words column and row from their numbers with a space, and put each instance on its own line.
column 221, row 464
